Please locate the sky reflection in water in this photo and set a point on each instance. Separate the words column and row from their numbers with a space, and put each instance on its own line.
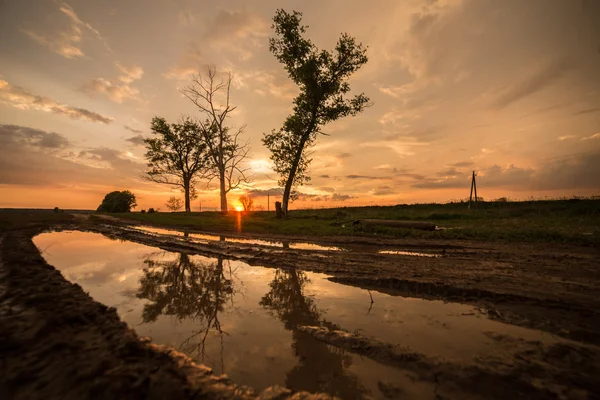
column 242, row 320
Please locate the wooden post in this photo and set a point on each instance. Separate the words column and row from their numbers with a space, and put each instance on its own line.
column 473, row 187
column 278, row 210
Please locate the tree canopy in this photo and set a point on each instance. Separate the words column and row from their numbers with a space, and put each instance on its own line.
column 118, row 201
column 177, row 156
column 322, row 77
column 174, row 203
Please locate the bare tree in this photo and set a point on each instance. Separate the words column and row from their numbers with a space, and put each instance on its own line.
column 246, row 202
column 174, row 203
column 177, row 156
column 211, row 94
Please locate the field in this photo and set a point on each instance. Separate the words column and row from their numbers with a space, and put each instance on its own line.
column 572, row 221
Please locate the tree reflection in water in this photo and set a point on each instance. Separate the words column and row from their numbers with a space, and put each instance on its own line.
column 321, row 368
column 188, row 289
column 201, row 289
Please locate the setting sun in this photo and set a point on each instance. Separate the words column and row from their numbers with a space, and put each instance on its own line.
column 239, row 208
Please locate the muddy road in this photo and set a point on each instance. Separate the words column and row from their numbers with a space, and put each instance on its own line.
column 534, row 308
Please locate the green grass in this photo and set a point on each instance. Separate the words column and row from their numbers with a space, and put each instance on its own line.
column 572, row 221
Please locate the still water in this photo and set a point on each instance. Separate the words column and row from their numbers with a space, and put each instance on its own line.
column 205, row 238
column 242, row 320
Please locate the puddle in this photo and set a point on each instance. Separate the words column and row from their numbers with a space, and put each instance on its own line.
column 407, row 253
column 173, row 232
column 242, row 320
column 195, row 237
column 206, row 237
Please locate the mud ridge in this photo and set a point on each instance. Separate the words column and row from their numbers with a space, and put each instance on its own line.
column 56, row 342
column 530, row 371
column 419, row 277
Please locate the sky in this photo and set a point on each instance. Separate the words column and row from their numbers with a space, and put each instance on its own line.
column 509, row 89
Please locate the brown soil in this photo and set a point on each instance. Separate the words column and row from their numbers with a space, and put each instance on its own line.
column 56, row 342
column 521, row 369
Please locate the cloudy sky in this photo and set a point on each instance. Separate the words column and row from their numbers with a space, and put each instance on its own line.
column 508, row 88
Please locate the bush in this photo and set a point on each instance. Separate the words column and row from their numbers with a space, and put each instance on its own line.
column 151, row 210
column 57, row 210
column 142, row 211
column 116, row 201
column 174, row 203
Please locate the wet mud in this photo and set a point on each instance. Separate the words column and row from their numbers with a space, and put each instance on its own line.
column 57, row 342
column 520, row 369
column 550, row 288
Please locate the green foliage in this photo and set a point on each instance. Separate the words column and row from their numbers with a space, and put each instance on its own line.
column 177, row 155
column 322, row 77
column 117, row 202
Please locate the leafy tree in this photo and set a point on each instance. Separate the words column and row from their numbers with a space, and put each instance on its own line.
column 177, row 156
column 225, row 149
column 322, row 77
column 117, row 201
column 174, row 203
column 246, row 202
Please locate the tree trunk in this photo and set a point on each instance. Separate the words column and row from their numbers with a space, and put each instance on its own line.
column 290, row 180
column 186, row 188
column 223, row 192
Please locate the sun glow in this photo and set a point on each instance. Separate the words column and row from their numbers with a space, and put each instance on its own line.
column 239, row 208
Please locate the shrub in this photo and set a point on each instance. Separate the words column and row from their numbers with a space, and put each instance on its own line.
column 151, row 210
column 116, row 201
column 174, row 203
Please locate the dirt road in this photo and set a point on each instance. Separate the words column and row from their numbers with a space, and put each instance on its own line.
column 56, row 341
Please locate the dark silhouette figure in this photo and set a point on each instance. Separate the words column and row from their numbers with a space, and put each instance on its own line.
column 321, row 368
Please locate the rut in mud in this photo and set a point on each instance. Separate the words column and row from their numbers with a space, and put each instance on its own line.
column 273, row 326
column 542, row 287
column 266, row 313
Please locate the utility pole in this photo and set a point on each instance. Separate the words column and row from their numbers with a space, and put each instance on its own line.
column 200, row 205
column 473, row 189
column 268, row 201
